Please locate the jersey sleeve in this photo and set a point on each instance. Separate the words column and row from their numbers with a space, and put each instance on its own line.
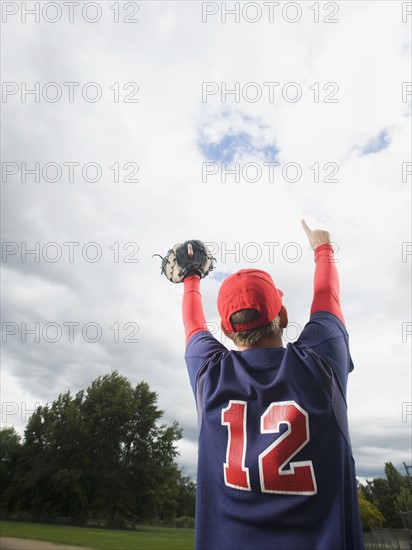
column 201, row 348
column 326, row 335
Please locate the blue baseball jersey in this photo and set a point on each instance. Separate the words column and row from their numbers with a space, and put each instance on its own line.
column 275, row 467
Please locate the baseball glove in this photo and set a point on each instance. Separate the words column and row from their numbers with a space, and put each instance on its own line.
column 191, row 257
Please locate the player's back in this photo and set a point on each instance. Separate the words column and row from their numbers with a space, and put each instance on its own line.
column 275, row 463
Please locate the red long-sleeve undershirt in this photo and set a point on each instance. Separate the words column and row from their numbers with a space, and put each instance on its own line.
column 325, row 293
column 326, row 290
column 193, row 315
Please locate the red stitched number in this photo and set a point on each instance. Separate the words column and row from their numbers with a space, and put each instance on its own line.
column 275, row 477
column 236, row 474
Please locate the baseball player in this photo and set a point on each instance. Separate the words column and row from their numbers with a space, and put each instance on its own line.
column 275, row 465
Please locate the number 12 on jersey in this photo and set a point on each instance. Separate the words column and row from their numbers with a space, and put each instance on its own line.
column 276, row 471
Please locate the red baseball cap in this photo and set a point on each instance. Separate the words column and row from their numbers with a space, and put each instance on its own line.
column 249, row 289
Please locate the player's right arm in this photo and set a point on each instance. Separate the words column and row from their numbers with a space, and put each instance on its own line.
column 325, row 333
column 326, row 291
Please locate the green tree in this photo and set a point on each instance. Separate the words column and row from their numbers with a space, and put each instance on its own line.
column 389, row 495
column 10, row 449
column 370, row 515
column 403, row 500
column 394, row 478
column 149, row 453
column 50, row 475
column 101, row 453
column 186, row 497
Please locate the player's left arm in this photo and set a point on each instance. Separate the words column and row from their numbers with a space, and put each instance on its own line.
column 201, row 345
column 192, row 308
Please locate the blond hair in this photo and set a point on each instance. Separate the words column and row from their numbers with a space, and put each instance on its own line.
column 253, row 336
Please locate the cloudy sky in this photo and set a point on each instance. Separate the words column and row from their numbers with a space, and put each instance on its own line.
column 131, row 126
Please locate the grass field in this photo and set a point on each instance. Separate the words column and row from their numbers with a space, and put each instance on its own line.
column 145, row 538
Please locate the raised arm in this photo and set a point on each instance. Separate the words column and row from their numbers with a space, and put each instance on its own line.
column 326, row 279
column 192, row 308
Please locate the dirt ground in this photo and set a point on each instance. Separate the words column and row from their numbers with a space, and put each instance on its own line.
column 7, row 543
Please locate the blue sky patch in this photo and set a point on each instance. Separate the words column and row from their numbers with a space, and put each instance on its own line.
column 233, row 145
column 220, row 275
column 378, row 143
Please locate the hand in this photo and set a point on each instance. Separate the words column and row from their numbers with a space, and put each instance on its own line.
column 187, row 259
column 316, row 236
column 190, row 255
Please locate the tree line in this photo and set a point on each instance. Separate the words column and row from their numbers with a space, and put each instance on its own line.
column 101, row 454
column 384, row 502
